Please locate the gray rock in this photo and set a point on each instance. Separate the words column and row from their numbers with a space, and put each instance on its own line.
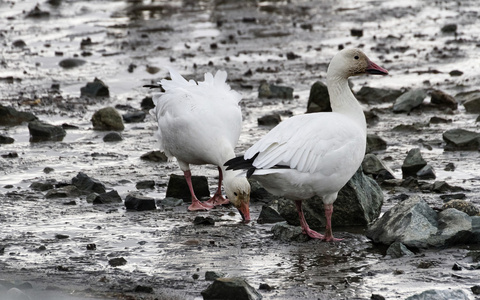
column 6, row 140
column 178, row 188
column 85, row 183
column 269, row 120
column 443, row 100
column 40, row 131
column 147, row 103
column 461, row 139
column 413, row 163
column 266, row 90
column 443, row 187
column 426, row 172
column 97, row 88
column 358, row 203
column 230, row 288
column 463, row 206
column 454, row 227
column 409, row 100
column 134, row 117
column 70, row 63
column 259, row 193
column 372, row 165
column 449, row 28
column 138, row 202
column 104, row 198
column 212, row 275
column 411, row 222
column 467, row 96
column 375, row 143
column 373, row 95
column 169, row 201
column 41, row 186
column 440, row 295
column 398, row 249
column 284, row 232
column 319, row 99
column 9, row 116
column 475, row 230
column 63, row 192
column 117, row 262
column 200, row 220
column 156, row 156
column 472, row 105
column 107, row 118
column 112, row 137
column 145, row 184
column 269, row 215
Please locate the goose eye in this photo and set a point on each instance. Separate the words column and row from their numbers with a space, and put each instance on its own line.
column 235, row 194
column 356, row 57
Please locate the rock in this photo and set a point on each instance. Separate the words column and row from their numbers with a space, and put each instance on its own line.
column 461, row 139
column 19, row 44
column 97, row 88
column 475, row 289
column 443, row 187
column 478, row 119
column 409, row 100
column 356, row 32
column 117, row 262
column 10, row 155
column 156, row 156
column 426, row 172
column 467, row 96
column 178, row 188
column 269, row 120
column 377, row 297
column 212, row 275
column 64, row 192
column 138, row 202
column 112, row 137
column 449, row 197
column 372, row 165
column 274, row 91
column 104, row 198
column 413, row 163
column 455, row 73
column 16, row 294
column 147, row 103
column 199, row 220
column 224, row 288
column 40, row 131
column 443, row 100
column 145, row 184
column 410, row 222
column 265, row 286
column 134, row 117
column 143, row 289
column 70, row 63
column 375, row 143
column 6, row 139
column 107, row 119
column 456, row 267
column 269, row 215
column 358, row 203
column 259, row 193
column 319, row 99
column 438, row 120
column 454, row 227
column 463, row 206
column 440, row 295
column 85, row 183
column 472, row 105
column 450, row 167
column 169, row 201
column 398, row 249
column 371, row 95
column 41, row 186
column 284, row 232
column 449, row 28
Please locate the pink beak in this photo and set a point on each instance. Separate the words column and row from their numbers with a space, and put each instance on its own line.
column 374, row 69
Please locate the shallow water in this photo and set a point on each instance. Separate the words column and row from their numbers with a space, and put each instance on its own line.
column 163, row 248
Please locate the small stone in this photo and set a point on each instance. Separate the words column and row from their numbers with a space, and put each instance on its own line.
column 147, row 103
column 356, row 32
column 70, row 63
column 61, row 236
column 117, row 262
column 169, row 201
column 409, row 100
column 449, row 28
column 199, row 220
column 438, row 120
column 269, row 215
column 224, row 288
column 265, row 287
column 134, row 117
column 456, row 267
column 9, row 116
column 461, row 139
column 177, row 187
column 450, row 167
column 104, row 198
column 97, row 88
column 112, row 137
column 397, row 249
column 284, row 232
column 455, row 73
column 319, row 99
column 413, row 163
column 48, row 170
column 212, row 275
column 274, row 91
column 462, row 205
column 377, row 297
column 475, row 289
column 145, row 184
column 375, row 143
column 6, row 139
column 269, row 120
column 195, row 276
column 442, row 99
column 40, row 131
column 140, row 203
column 143, row 289
column 85, row 183
column 427, row 172
column 107, row 119
column 91, row 247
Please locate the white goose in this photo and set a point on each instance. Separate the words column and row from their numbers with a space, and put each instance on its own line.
column 200, row 124
column 315, row 154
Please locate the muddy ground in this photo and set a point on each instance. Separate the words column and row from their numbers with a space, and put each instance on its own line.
column 43, row 242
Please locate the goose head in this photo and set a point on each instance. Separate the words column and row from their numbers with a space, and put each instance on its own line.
column 238, row 193
column 353, row 62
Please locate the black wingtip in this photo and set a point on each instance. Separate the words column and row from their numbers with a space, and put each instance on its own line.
column 240, row 163
column 154, row 86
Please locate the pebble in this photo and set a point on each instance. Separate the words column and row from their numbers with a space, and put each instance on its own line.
column 107, row 118
column 155, row 156
column 139, row 203
column 97, row 88
column 269, row 120
column 413, row 163
column 117, row 262
column 41, row 131
column 112, row 137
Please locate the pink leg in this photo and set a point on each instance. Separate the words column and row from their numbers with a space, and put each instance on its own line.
column 305, row 228
column 196, row 204
column 217, row 198
column 328, row 227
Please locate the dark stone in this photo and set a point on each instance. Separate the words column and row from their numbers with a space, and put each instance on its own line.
column 212, row 275
column 41, row 186
column 134, row 117
column 91, row 247
column 61, row 236
column 450, row 167
column 269, row 215
column 145, row 184
column 377, row 297
column 40, row 131
column 413, row 163
column 463, row 206
column 156, row 156
column 117, row 262
column 112, row 137
column 10, row 155
column 443, row 187
column 375, row 143
column 266, row 90
column 356, row 32
column 438, row 120
column 6, row 139
column 70, row 63
column 292, row 56
column 105, row 198
column 107, row 119
column 147, row 103
column 461, row 139
column 455, row 73
column 449, row 197
column 284, row 232
column 169, row 201
column 373, row 95
column 139, row 203
column 269, row 120
column 456, row 267
column 48, row 170
column 475, row 289
column 19, row 44
column 143, row 289
column 97, row 88
column 85, row 183
column 444, row 100
column 409, row 100
column 441, row 295
column 449, row 28
column 63, row 192
column 37, row 13
column 199, row 220
column 398, row 249
column 178, row 188
column 265, row 287
column 372, row 165
column 426, row 172
column 233, row 288
column 319, row 99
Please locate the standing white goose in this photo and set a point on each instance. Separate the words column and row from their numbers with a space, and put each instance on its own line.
column 200, row 124
column 315, row 154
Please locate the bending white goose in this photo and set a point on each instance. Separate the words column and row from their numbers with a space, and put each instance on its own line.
column 200, row 124
column 315, row 154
